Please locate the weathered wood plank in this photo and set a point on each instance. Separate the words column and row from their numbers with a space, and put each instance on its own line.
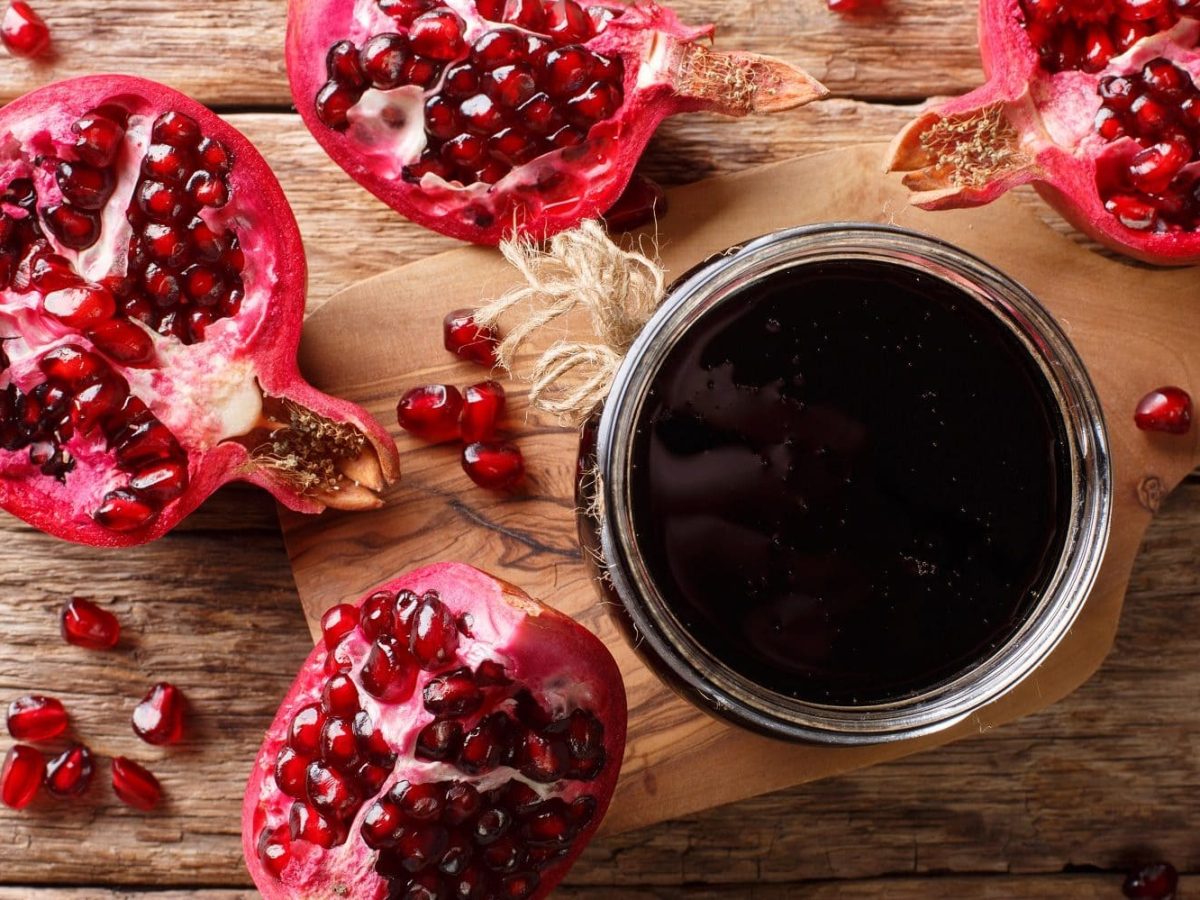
column 232, row 53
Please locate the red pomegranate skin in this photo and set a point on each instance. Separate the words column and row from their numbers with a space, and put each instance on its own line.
column 563, row 664
column 219, row 396
column 666, row 69
column 1041, row 120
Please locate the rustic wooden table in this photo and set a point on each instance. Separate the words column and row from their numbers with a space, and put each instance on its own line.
column 1054, row 806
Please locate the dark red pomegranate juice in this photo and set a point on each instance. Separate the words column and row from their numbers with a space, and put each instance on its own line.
column 851, row 482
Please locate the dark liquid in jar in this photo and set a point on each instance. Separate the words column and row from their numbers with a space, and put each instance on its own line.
column 850, row 482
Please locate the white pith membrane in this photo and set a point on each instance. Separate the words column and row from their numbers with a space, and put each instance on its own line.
column 542, row 184
column 205, row 393
column 1040, row 126
column 499, row 632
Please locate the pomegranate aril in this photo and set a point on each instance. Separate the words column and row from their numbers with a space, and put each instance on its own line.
column 381, row 824
column 176, row 129
column 1165, row 80
column 1132, row 212
column 81, row 308
column 36, row 718
column 540, row 115
column 21, row 776
column 84, row 186
column 595, row 103
column 510, row 86
column 371, row 740
column 405, row 11
column 382, row 60
column 434, row 637
column 331, row 792
column 567, row 137
column 566, row 70
column 1151, row 116
column 158, row 719
column 441, row 121
column 431, row 411
column 437, row 34
column 143, row 440
column 544, row 759
column 1157, row 881
column 85, row 624
column 291, row 773
column 1109, row 124
column 214, row 156
column 494, row 465
column 1097, row 48
column 274, row 849
column 340, row 697
column 160, row 201
column 1166, row 409
column 23, row 31
column 465, row 150
column 73, row 228
column 481, row 748
column 70, row 773
column 388, row 673
column 207, row 189
column 500, row 47
column 642, row 202
column 482, row 409
column 343, row 65
column 339, row 745
column 134, row 785
column 452, row 694
column 439, row 741
column 334, row 102
column 480, row 115
column 337, row 622
column 512, row 147
column 526, row 13
column 99, row 137
column 422, row 72
column 566, row 21
column 306, row 824
column 461, row 81
column 123, row 341
column 467, row 340
column 375, row 618
column 582, row 811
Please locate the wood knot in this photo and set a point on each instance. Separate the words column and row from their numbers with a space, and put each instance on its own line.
column 1150, row 492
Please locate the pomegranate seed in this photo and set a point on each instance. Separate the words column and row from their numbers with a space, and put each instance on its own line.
column 1132, row 212
column 337, row 622
column 540, row 115
column 594, row 104
column 158, row 719
column 493, row 170
column 160, row 482
column 338, row 744
column 70, row 773
column 71, row 366
column 461, row 81
column 382, row 61
column 439, row 741
column 1153, row 169
column 21, row 776
column 422, row 72
column 381, row 824
column 340, row 697
column 1151, row 116
column 512, row 146
column 84, row 186
column 566, row 70
column 441, row 121
column 214, row 156
column 1167, row 409
column 304, row 734
column 480, row 115
column 81, row 307
column 36, row 718
column 275, row 849
column 74, row 228
column 134, row 785
column 461, row 803
column 208, row 189
column 431, row 411
column 176, row 129
column 1109, row 124
column 1158, row 881
column 405, row 11
column 98, row 138
column 452, row 695
column 494, row 465
column 501, row 47
column 437, row 34
column 23, row 31
column 331, row 792
column 642, row 202
column 566, row 22
column 526, row 13
column 1097, row 48
column 344, row 66
column 469, row 341
column 463, row 150
column 1126, row 33
column 434, row 637
column 85, row 624
column 122, row 510
column 306, row 824
column 388, row 672
column 333, row 104
column 371, row 741
column 291, row 773
column 510, row 86
column 160, row 201
column 1165, row 80
column 482, row 410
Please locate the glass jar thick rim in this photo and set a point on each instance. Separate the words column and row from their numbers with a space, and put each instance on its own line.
column 730, row 695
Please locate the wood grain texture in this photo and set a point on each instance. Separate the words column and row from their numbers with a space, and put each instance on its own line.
column 230, row 53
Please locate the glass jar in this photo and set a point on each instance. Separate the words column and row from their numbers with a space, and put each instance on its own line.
column 609, row 536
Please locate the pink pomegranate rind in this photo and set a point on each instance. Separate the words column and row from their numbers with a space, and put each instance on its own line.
column 515, row 647
column 206, row 390
column 546, row 166
column 1042, row 118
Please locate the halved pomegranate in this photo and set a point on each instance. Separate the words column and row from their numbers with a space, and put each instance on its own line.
column 152, row 286
column 1095, row 102
column 449, row 737
column 480, row 117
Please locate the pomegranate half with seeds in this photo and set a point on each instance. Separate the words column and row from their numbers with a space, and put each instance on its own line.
column 449, row 737
column 152, row 285
column 1093, row 101
column 480, row 117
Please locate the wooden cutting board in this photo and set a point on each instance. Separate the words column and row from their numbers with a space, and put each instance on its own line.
column 1136, row 328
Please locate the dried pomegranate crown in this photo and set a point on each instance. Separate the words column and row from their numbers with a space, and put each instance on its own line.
column 1093, row 101
column 152, row 287
column 478, row 117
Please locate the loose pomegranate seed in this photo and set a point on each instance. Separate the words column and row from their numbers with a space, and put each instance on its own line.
column 1158, row 881
column 431, row 411
column 482, row 410
column 1167, row 409
column 134, row 785
column 469, row 341
column 23, row 31
column 70, row 773
column 87, row 625
column 36, row 718
column 21, row 776
column 158, row 719
column 494, row 465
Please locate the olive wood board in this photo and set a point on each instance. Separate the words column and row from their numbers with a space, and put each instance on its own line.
column 1136, row 328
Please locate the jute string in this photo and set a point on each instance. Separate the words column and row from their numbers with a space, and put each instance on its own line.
column 581, row 269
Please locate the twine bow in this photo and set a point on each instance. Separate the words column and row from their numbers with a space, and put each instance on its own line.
column 581, row 269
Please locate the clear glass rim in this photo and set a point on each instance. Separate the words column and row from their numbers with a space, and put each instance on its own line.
column 731, row 695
